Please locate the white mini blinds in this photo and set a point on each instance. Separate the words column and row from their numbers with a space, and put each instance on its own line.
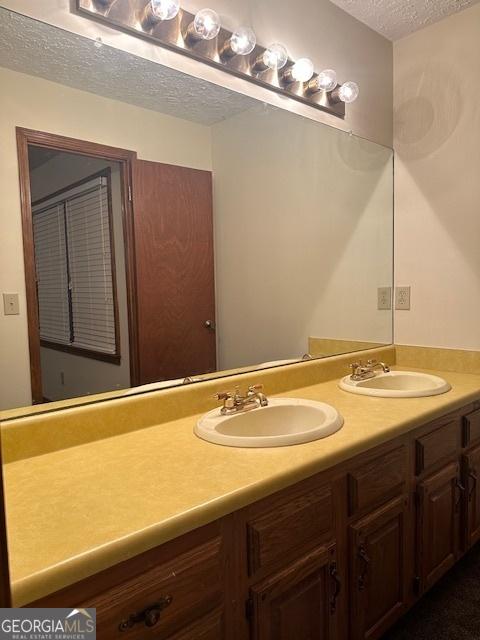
column 73, row 257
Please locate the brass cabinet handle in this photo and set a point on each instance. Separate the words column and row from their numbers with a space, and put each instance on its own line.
column 362, row 554
column 148, row 616
column 337, row 587
column 461, row 491
column 472, row 476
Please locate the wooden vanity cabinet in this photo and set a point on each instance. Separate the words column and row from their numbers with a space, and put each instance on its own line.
column 298, row 602
column 439, row 497
column 338, row 556
column 378, row 541
column 173, row 592
column 294, row 579
column 471, row 476
column 378, row 569
column 439, row 506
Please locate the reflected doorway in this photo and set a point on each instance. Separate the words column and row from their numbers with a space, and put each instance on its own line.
column 119, row 267
column 80, row 273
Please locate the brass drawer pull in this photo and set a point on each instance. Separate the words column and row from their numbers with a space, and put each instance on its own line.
column 337, row 587
column 460, row 492
column 362, row 554
column 473, row 486
column 149, row 616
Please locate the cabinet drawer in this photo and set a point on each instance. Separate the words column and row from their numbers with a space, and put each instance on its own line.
column 377, row 481
column 174, row 593
column 292, row 525
column 209, row 627
column 471, row 429
column 436, row 446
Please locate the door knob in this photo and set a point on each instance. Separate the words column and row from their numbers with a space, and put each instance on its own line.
column 210, row 324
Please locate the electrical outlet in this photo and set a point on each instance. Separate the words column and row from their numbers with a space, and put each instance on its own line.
column 402, row 298
column 384, row 298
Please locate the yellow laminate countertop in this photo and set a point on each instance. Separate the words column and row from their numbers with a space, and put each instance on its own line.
column 77, row 511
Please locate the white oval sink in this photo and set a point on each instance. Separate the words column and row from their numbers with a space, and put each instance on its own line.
column 397, row 384
column 285, row 421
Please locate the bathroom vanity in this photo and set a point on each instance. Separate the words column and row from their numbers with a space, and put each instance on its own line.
column 342, row 553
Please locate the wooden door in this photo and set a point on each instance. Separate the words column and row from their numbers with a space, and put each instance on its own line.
column 299, row 602
column 438, row 524
column 472, row 474
column 173, row 230
column 378, row 570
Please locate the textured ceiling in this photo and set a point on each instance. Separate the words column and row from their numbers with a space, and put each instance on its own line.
column 397, row 18
column 38, row 49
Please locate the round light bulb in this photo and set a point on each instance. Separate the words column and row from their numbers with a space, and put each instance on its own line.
column 275, row 57
column 243, row 41
column 206, row 24
column 302, row 70
column 165, row 9
column 348, row 92
column 327, row 80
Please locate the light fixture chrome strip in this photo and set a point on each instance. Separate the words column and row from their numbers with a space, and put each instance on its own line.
column 201, row 37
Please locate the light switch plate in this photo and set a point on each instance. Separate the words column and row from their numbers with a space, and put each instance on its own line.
column 11, row 305
column 384, row 298
column 402, row 298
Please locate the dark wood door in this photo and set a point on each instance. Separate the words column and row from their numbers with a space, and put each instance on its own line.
column 438, row 524
column 175, row 289
column 299, row 602
column 472, row 474
column 378, row 570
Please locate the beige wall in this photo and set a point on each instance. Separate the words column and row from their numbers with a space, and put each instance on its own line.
column 314, row 28
column 437, row 143
column 67, row 375
column 37, row 104
column 311, row 208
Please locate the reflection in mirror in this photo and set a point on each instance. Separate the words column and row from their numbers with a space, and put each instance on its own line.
column 80, row 273
column 161, row 249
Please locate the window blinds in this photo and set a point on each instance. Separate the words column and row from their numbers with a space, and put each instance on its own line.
column 52, row 274
column 83, row 264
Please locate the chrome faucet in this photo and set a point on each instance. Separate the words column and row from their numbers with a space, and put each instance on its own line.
column 362, row 371
column 235, row 402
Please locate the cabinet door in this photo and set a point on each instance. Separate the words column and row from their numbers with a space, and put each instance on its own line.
column 472, row 472
column 299, row 602
column 438, row 526
column 378, row 570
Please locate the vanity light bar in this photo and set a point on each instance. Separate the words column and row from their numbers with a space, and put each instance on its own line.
column 201, row 36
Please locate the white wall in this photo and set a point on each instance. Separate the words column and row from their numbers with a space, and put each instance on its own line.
column 67, row 375
column 314, row 28
column 437, row 142
column 38, row 104
column 311, row 208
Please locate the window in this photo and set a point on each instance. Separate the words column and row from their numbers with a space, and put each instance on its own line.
column 75, row 269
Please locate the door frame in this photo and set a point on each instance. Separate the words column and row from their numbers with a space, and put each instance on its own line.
column 31, row 137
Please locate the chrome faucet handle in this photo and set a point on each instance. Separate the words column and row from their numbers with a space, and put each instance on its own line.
column 229, row 399
column 222, row 395
column 372, row 363
column 255, row 393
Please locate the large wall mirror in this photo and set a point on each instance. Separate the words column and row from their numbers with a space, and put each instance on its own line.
column 174, row 230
